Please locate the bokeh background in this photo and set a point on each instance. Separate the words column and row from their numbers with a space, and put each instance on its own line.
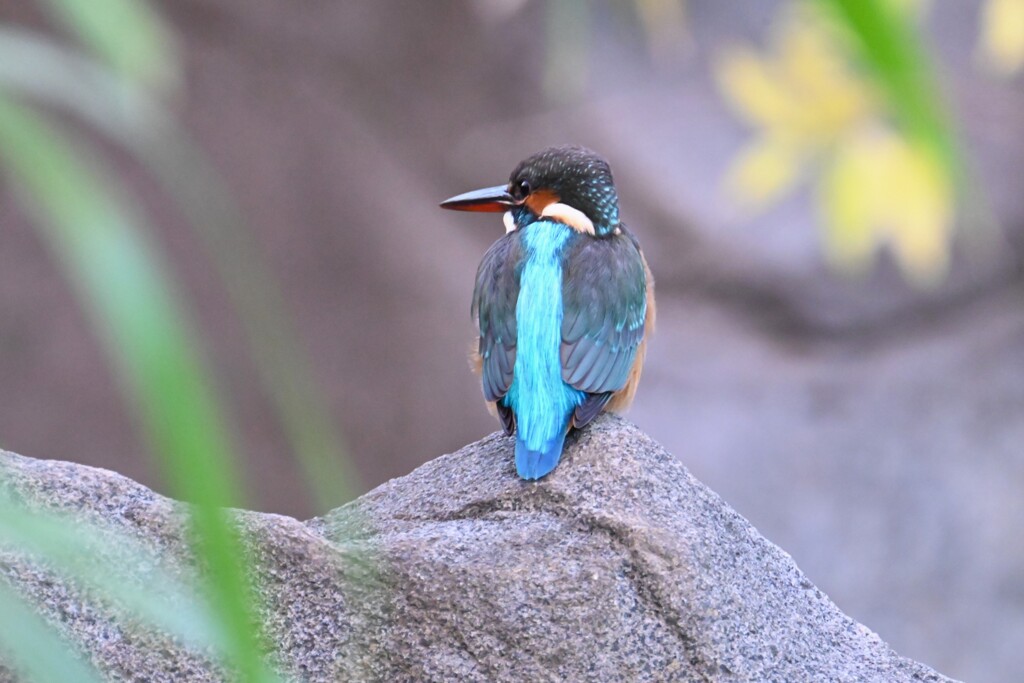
column 840, row 344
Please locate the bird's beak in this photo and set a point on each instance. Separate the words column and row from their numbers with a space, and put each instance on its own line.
column 493, row 199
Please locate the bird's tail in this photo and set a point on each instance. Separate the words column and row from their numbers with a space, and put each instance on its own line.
column 533, row 464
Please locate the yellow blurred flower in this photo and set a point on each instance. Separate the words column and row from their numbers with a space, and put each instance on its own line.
column 1001, row 47
column 802, row 99
column 816, row 114
column 881, row 190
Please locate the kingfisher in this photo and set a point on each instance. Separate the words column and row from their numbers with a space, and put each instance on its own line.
column 564, row 302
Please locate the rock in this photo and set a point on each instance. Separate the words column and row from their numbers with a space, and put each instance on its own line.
column 619, row 566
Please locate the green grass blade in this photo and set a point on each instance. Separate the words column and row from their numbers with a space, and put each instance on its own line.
column 282, row 366
column 113, row 564
column 891, row 47
column 125, row 289
column 567, row 59
column 35, row 649
column 41, row 69
column 127, row 34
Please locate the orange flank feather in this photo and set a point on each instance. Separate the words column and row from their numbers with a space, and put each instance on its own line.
column 476, row 363
column 623, row 398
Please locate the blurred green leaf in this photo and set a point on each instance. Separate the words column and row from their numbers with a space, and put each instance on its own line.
column 278, row 355
column 35, row 649
column 39, row 68
column 891, row 47
column 124, row 287
column 115, row 566
column 127, row 34
column 566, row 65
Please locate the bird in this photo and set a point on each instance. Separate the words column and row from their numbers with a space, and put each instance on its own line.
column 564, row 302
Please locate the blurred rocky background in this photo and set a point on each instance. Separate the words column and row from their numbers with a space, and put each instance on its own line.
column 865, row 414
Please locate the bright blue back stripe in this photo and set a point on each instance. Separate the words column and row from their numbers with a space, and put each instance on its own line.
column 541, row 400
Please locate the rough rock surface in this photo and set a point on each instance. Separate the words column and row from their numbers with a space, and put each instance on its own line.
column 887, row 418
column 619, row 566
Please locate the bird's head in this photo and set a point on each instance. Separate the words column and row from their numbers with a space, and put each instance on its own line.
column 572, row 185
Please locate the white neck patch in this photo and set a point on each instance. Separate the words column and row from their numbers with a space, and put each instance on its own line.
column 574, row 218
column 510, row 224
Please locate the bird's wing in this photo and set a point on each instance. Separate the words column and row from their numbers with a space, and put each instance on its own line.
column 494, row 307
column 604, row 304
column 591, row 407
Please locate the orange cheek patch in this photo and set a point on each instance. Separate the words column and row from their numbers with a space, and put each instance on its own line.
column 546, row 203
column 539, row 200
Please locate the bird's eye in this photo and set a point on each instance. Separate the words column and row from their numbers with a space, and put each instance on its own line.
column 520, row 188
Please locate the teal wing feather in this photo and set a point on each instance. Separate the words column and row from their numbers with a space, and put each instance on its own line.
column 494, row 307
column 604, row 298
